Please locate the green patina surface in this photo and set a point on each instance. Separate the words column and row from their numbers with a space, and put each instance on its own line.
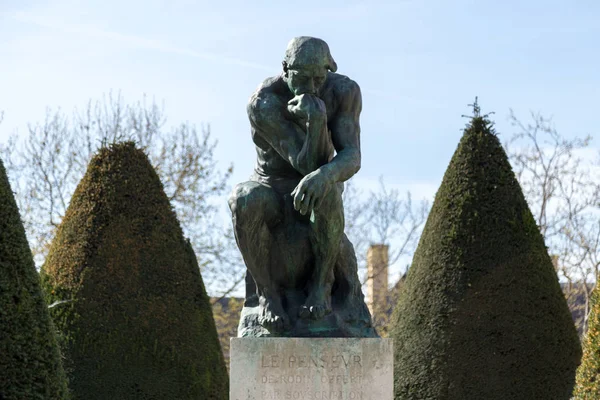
column 30, row 364
column 138, row 323
column 288, row 218
column 481, row 314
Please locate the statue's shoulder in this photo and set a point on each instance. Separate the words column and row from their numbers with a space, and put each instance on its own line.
column 271, row 85
column 266, row 93
column 343, row 92
column 341, row 84
column 266, row 99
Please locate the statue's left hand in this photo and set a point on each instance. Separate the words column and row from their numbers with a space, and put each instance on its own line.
column 310, row 191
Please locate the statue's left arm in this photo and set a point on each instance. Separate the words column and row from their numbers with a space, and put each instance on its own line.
column 345, row 135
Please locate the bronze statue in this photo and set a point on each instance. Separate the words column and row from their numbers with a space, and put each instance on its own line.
column 288, row 218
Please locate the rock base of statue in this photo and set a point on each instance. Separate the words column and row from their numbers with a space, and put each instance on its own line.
column 341, row 323
column 350, row 318
column 315, row 368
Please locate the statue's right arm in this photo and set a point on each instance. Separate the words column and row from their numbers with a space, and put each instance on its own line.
column 266, row 114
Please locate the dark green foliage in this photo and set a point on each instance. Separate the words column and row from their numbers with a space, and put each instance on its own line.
column 138, row 324
column 588, row 374
column 481, row 314
column 30, row 365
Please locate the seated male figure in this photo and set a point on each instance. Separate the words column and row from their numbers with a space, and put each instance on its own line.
column 305, row 126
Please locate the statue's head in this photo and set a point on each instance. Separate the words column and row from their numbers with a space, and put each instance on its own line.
column 306, row 63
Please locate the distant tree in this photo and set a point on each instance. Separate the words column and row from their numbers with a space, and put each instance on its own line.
column 396, row 219
column 562, row 189
column 47, row 164
column 30, row 361
column 133, row 309
column 588, row 373
column 481, row 314
column 355, row 221
column 227, row 312
column 383, row 217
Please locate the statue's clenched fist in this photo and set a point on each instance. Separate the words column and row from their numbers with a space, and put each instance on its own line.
column 303, row 105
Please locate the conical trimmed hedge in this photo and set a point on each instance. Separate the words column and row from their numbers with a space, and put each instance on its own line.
column 481, row 314
column 30, row 364
column 137, row 321
column 588, row 373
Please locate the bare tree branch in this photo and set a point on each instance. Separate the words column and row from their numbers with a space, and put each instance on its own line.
column 561, row 188
column 385, row 217
column 49, row 164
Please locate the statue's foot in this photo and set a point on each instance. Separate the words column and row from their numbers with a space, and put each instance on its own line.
column 272, row 317
column 317, row 306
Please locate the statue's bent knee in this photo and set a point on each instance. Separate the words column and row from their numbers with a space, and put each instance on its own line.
column 253, row 201
column 332, row 202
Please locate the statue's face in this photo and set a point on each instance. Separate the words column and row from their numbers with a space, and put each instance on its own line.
column 306, row 79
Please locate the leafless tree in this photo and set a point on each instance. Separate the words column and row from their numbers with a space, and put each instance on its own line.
column 396, row 219
column 561, row 186
column 383, row 217
column 355, row 220
column 47, row 165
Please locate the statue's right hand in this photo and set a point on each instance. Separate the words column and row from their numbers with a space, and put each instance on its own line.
column 303, row 105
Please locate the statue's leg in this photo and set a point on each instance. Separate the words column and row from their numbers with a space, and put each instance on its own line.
column 255, row 209
column 346, row 272
column 327, row 230
column 349, row 295
column 251, row 299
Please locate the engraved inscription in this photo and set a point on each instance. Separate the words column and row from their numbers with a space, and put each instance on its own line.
column 312, row 395
column 305, row 369
column 300, row 361
column 356, row 378
column 348, row 366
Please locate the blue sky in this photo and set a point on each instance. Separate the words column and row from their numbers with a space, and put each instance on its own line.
column 419, row 63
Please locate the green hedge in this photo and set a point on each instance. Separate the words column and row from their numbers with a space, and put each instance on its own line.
column 138, row 322
column 588, row 374
column 30, row 364
column 481, row 314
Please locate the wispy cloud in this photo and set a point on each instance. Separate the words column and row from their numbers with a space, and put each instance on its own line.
column 130, row 40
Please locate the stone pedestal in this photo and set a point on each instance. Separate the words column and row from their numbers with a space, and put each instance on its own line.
column 311, row 369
